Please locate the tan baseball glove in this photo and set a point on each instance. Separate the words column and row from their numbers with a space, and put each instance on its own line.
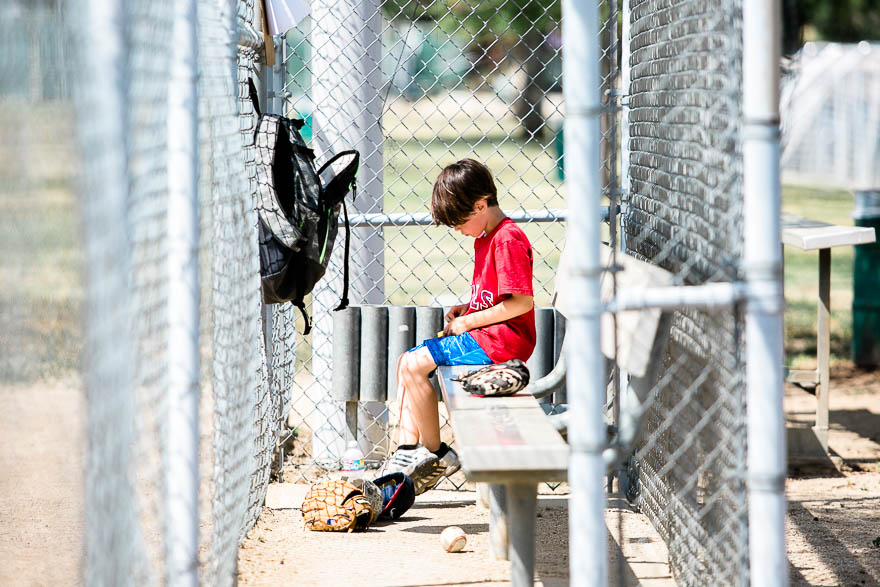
column 496, row 380
column 336, row 506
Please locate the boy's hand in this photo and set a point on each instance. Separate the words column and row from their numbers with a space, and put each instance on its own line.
column 457, row 325
column 509, row 307
column 456, row 311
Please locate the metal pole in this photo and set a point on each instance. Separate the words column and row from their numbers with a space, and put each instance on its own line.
column 762, row 263
column 348, row 115
column 624, row 117
column 710, row 295
column 588, row 552
column 276, row 93
column 182, row 441
column 823, row 346
column 522, row 500
column 110, row 499
column 498, row 530
column 346, row 92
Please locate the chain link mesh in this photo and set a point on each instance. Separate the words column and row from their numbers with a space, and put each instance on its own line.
column 448, row 80
column 239, row 414
column 830, row 127
column 473, row 79
column 684, row 214
column 122, row 102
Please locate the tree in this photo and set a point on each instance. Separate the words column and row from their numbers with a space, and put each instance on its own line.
column 844, row 21
column 527, row 23
column 520, row 26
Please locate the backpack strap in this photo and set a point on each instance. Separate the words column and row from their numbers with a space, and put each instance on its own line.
column 255, row 99
column 343, row 302
column 269, row 134
column 338, row 176
column 302, row 309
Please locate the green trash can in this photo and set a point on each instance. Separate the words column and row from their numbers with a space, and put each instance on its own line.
column 866, row 284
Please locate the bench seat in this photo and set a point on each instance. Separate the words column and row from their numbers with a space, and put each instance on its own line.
column 500, row 439
column 508, row 443
column 811, row 235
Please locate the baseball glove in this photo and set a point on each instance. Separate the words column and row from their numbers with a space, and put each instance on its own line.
column 373, row 494
column 496, row 380
column 336, row 505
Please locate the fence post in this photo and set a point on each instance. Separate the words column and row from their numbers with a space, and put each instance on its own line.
column 110, row 501
column 588, row 554
column 762, row 264
column 346, row 85
column 181, row 474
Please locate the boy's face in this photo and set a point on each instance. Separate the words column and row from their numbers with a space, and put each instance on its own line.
column 475, row 224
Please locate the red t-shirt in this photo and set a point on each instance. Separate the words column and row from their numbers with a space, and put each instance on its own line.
column 503, row 266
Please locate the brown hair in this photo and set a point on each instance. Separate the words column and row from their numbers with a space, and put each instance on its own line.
column 458, row 188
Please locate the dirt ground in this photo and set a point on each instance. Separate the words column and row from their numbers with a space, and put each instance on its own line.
column 833, row 522
column 407, row 551
column 833, row 525
column 42, row 463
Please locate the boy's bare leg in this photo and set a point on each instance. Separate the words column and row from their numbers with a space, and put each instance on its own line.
column 419, row 418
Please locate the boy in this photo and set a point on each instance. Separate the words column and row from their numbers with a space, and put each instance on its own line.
column 497, row 325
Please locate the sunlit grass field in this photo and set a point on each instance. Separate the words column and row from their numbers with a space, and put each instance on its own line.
column 42, row 263
column 41, row 289
column 427, row 264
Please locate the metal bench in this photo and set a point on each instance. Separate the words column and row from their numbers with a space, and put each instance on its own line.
column 511, row 445
column 811, row 235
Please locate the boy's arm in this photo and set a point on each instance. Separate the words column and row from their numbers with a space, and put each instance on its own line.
column 506, row 309
column 456, row 311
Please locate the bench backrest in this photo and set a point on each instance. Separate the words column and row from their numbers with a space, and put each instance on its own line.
column 636, row 330
column 367, row 340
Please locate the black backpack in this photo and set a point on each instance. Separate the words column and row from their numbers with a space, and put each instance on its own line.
column 298, row 209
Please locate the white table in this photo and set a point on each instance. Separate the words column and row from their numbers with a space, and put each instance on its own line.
column 811, row 235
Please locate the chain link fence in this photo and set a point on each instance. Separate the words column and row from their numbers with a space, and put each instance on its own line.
column 416, row 86
column 830, row 91
column 684, row 213
column 471, row 81
column 86, row 98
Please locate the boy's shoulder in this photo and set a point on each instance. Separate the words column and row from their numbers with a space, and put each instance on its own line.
column 509, row 231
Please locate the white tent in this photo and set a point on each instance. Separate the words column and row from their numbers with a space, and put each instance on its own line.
column 830, row 108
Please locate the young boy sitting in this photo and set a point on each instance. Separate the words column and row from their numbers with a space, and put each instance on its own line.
column 497, row 325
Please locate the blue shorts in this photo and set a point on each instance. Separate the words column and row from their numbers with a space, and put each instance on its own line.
column 460, row 349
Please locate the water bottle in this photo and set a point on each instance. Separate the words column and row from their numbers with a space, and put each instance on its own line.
column 353, row 458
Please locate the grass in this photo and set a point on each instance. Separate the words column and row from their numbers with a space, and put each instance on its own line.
column 41, row 297
column 40, row 254
column 428, row 265
column 801, row 279
column 41, row 267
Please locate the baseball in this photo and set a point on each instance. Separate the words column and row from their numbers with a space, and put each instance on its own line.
column 453, row 539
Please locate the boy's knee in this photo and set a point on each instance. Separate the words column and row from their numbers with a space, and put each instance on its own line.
column 414, row 364
column 405, row 364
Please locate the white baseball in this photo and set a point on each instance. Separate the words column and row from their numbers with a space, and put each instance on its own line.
column 453, row 539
